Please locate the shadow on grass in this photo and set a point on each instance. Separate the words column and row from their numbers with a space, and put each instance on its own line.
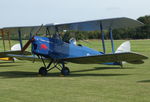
column 23, row 74
column 8, row 65
column 101, row 68
column 17, row 74
column 98, row 75
column 144, row 81
column 6, row 62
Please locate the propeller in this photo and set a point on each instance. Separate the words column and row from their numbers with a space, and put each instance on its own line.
column 27, row 44
column 30, row 40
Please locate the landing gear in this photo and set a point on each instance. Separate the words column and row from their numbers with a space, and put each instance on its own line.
column 65, row 71
column 60, row 65
column 43, row 71
column 121, row 64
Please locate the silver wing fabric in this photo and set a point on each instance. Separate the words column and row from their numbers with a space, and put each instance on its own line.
column 93, row 25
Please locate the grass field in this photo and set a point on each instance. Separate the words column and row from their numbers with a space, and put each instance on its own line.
column 19, row 81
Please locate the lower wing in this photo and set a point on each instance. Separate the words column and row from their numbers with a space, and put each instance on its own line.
column 6, row 54
column 129, row 57
column 29, row 58
column 7, row 59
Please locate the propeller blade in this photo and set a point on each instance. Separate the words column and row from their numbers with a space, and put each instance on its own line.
column 30, row 40
column 27, row 44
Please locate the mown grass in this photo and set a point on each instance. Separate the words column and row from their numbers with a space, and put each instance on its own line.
column 19, row 81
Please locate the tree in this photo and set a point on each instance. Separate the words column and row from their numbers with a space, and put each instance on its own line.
column 144, row 19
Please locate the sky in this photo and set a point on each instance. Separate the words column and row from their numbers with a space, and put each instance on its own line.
column 37, row 12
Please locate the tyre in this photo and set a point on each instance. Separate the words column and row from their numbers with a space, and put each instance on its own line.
column 43, row 71
column 65, row 71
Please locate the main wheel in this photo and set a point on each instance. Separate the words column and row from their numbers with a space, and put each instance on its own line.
column 65, row 71
column 43, row 71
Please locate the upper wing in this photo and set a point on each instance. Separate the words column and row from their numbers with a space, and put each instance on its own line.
column 92, row 25
column 24, row 30
column 99, row 59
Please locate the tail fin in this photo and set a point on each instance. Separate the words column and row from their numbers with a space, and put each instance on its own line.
column 16, row 47
column 124, row 47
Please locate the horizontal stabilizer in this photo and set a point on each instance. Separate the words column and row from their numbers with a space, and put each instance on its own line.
column 136, row 62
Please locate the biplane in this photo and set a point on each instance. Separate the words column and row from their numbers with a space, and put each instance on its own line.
column 58, row 53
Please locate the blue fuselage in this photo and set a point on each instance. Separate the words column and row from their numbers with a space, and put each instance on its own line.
column 58, row 49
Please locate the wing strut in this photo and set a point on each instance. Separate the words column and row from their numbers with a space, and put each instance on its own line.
column 111, row 38
column 103, row 40
column 20, row 39
column 47, row 31
column 2, row 31
column 9, row 39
